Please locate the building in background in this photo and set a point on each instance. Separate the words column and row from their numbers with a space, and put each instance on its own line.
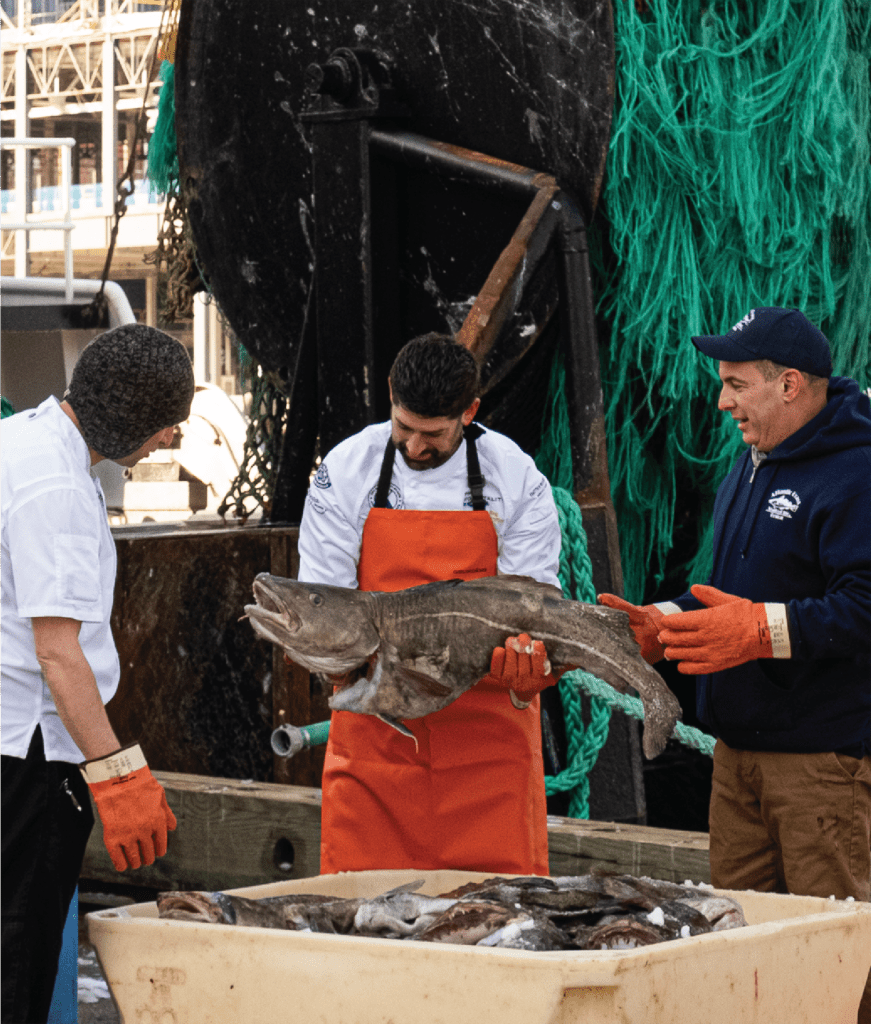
column 87, row 70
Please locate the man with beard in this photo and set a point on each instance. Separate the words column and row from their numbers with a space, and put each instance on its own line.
column 459, row 502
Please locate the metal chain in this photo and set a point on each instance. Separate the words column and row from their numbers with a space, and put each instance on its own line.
column 95, row 310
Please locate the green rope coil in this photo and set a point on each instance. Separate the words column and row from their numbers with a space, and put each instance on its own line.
column 584, row 743
column 632, row 706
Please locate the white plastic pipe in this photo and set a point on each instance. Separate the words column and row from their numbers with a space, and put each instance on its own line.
column 45, row 291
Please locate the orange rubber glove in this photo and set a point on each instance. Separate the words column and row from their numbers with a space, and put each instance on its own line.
column 729, row 631
column 132, row 806
column 644, row 620
column 521, row 666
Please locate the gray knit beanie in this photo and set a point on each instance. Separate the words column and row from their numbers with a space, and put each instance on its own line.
column 127, row 385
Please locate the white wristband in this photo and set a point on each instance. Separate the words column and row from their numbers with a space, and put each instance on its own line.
column 778, row 627
column 122, row 762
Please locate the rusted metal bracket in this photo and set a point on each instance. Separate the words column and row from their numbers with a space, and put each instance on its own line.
column 551, row 224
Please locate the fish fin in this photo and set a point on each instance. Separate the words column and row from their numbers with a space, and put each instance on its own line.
column 422, row 680
column 420, row 672
column 408, row 887
column 394, row 723
column 488, row 581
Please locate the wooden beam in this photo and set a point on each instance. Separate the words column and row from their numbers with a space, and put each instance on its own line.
column 230, row 833
column 577, row 847
column 233, row 833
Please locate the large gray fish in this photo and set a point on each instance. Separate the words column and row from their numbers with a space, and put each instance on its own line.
column 430, row 644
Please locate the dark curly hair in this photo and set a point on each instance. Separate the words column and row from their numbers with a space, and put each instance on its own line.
column 433, row 376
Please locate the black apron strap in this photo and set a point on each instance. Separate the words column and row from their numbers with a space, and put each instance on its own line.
column 383, row 489
column 473, row 470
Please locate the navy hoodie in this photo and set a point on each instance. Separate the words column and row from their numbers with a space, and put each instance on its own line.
column 798, row 532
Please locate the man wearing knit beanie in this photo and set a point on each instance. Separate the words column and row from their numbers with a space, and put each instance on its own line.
column 130, row 388
column 129, row 384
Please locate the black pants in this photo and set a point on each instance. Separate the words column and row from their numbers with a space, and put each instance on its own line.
column 44, row 838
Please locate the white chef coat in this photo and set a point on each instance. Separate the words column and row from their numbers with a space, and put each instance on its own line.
column 518, row 497
column 57, row 559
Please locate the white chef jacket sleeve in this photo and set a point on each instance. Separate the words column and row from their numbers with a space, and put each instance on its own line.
column 329, row 542
column 530, row 537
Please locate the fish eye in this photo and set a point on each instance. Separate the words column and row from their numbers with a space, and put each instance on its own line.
column 316, row 599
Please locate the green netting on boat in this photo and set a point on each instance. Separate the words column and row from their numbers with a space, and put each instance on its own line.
column 738, row 175
column 163, row 146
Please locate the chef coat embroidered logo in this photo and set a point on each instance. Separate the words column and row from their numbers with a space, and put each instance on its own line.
column 782, row 504
column 322, row 477
column 539, row 487
column 745, row 321
column 394, row 497
column 315, row 504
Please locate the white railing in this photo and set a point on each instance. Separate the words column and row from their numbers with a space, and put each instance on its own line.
column 66, row 225
column 22, row 14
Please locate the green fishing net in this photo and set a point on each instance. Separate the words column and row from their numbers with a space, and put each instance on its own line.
column 738, row 175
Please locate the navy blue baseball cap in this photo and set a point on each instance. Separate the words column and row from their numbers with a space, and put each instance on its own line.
column 784, row 336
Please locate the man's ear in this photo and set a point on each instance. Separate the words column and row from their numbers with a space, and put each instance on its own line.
column 792, row 383
column 469, row 414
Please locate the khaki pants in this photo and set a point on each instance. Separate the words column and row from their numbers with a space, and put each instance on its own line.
column 792, row 823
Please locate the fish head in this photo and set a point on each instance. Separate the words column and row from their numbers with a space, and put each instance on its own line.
column 325, row 629
column 203, row 907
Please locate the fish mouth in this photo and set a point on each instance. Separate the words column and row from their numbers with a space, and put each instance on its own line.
column 189, row 906
column 271, row 617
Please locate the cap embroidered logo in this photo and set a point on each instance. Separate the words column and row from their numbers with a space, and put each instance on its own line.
column 745, row 321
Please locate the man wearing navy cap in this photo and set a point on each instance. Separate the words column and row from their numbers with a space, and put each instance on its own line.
column 780, row 638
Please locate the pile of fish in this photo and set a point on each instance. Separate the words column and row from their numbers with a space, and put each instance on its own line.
column 603, row 911
column 425, row 646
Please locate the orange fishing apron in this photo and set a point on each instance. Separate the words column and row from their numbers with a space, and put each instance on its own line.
column 471, row 796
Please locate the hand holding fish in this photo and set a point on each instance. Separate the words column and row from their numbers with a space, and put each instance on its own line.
column 644, row 620
column 728, row 632
column 132, row 807
column 522, row 667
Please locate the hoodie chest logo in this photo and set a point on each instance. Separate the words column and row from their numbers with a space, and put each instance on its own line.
column 783, row 504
